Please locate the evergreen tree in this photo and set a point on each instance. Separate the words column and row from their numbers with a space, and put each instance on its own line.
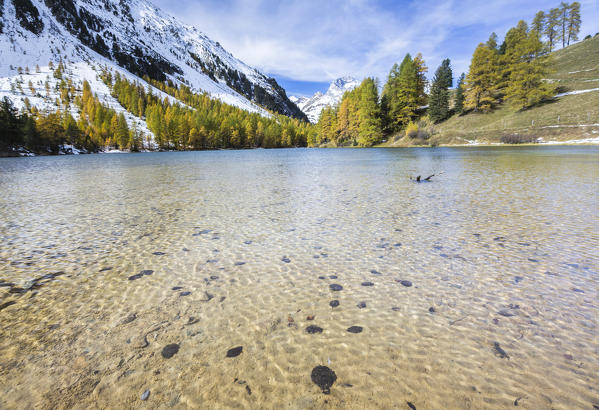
column 459, row 95
column 482, row 80
column 369, row 114
column 538, row 24
column 10, row 125
column 492, row 41
column 574, row 22
column 530, row 65
column 564, row 11
column 438, row 109
column 551, row 27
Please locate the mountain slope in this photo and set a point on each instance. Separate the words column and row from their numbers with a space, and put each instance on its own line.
column 134, row 36
column 314, row 105
column 572, row 116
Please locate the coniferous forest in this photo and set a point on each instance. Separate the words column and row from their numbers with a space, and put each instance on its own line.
column 510, row 72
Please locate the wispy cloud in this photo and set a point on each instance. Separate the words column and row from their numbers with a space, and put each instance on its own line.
column 316, row 40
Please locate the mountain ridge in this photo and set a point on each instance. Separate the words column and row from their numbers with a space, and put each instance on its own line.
column 137, row 37
column 314, row 105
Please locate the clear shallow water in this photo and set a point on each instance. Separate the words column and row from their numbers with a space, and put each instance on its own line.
column 503, row 245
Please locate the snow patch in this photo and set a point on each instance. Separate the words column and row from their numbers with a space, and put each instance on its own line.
column 577, row 92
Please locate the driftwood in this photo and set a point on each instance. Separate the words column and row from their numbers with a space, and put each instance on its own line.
column 427, row 179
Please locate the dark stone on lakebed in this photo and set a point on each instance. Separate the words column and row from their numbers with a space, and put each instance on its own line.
column 177, row 288
column 239, row 263
column 431, row 309
column 170, row 350
column 158, row 253
column 406, row 283
column 187, row 293
column 313, row 329
column 334, row 303
column 362, row 305
column 286, row 259
column 355, row 329
column 375, row 272
column 234, row 352
column 333, row 277
column 367, row 284
column 335, row 288
column 324, row 378
column 141, row 274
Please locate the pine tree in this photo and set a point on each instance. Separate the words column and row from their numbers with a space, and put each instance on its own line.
column 505, row 63
column 538, row 24
column 551, row 27
column 531, row 64
column 421, row 70
column 438, row 109
column 574, row 22
column 492, row 41
column 482, row 80
column 458, row 104
column 369, row 114
column 564, row 11
column 404, row 92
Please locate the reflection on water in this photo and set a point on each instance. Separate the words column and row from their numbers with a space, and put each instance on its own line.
column 124, row 276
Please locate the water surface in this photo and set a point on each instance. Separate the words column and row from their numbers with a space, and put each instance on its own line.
column 242, row 245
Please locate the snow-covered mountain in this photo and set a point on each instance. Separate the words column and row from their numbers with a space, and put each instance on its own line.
column 131, row 37
column 313, row 106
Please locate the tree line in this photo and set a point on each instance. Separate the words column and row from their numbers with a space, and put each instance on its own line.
column 80, row 119
column 203, row 122
column 510, row 72
column 560, row 23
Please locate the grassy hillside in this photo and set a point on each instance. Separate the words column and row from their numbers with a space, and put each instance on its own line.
column 567, row 117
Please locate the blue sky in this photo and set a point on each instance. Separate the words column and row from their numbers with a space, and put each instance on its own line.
column 305, row 44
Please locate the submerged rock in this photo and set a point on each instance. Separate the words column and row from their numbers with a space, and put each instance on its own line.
column 324, row 378
column 158, row 253
column 286, row 259
column 335, row 288
column 367, row 284
column 313, row 329
column 234, row 352
column 239, row 263
column 362, row 305
column 507, row 312
column 187, row 293
column 375, row 272
column 355, row 329
column 431, row 309
column 130, row 318
column 334, row 303
column 141, row 274
column 406, row 283
column 145, row 395
column 499, row 352
column 170, row 350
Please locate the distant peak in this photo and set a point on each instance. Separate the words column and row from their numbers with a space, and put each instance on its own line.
column 341, row 82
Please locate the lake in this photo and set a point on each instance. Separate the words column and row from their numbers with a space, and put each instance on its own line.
column 128, row 274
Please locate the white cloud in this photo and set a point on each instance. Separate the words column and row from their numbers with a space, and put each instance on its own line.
column 319, row 40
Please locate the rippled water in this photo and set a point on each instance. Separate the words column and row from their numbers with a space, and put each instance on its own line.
column 503, row 246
